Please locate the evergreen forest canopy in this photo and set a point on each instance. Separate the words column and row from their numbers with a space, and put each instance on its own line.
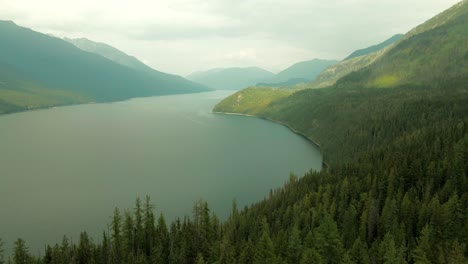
column 395, row 135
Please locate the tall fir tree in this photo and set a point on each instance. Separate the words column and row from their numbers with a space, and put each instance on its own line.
column 21, row 254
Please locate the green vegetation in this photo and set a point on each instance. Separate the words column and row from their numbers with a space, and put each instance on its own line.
column 38, row 70
column 20, row 94
column 434, row 55
column 375, row 48
column 333, row 73
column 396, row 190
column 251, row 100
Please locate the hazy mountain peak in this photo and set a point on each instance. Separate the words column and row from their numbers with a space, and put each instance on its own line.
column 233, row 78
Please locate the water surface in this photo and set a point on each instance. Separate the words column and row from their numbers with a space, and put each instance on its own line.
column 63, row 170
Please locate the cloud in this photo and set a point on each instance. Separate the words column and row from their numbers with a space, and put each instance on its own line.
column 188, row 35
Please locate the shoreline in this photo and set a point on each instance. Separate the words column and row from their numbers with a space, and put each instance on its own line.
column 324, row 164
column 91, row 102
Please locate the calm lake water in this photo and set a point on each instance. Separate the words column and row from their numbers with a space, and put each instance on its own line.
column 63, row 170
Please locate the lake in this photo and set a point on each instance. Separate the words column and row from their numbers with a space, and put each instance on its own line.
column 63, row 170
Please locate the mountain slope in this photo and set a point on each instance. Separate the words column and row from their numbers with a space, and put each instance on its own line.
column 396, row 191
column 355, row 61
column 231, row 78
column 426, row 61
column 58, row 66
column 333, row 73
column 108, row 52
column 431, row 53
column 300, row 72
column 375, row 48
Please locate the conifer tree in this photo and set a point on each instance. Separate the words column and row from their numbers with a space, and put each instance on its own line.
column 21, row 254
column 128, row 237
column 139, row 231
column 264, row 253
column 116, row 237
column 2, row 256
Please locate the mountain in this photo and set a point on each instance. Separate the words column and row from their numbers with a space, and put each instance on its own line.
column 330, row 75
column 355, row 61
column 375, row 48
column 300, row 72
column 427, row 61
column 430, row 54
column 384, row 196
column 395, row 190
column 109, row 52
column 36, row 66
column 231, row 78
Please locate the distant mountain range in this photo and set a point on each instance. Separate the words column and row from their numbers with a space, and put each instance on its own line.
column 231, row 78
column 38, row 70
column 238, row 78
column 301, row 72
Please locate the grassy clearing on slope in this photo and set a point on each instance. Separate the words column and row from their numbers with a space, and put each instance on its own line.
column 251, row 100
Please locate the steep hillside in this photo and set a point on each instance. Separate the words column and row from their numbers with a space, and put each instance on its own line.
column 231, row 78
column 37, row 60
column 375, row 48
column 425, row 62
column 17, row 93
column 333, row 73
column 433, row 52
column 109, row 52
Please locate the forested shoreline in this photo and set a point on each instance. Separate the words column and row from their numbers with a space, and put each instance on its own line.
column 400, row 199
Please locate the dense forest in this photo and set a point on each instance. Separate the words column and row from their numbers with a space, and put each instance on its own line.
column 398, row 197
column 396, row 190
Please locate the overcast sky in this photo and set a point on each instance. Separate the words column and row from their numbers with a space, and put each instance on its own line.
column 183, row 36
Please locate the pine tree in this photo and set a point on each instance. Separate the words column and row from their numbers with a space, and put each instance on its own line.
column 139, row 231
column 294, row 246
column 65, row 254
column 85, row 248
column 390, row 252
column 311, row 256
column 128, row 237
column 162, row 240
column 200, row 259
column 421, row 254
column 247, row 253
column 2, row 257
column 328, row 242
column 264, row 253
column 21, row 254
column 227, row 253
column 105, row 249
column 116, row 237
column 149, row 228
column 456, row 253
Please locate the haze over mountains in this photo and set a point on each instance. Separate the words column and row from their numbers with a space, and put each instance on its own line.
column 238, row 78
column 39, row 71
column 231, row 78
column 319, row 71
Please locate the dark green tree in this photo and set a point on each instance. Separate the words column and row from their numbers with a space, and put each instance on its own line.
column 2, row 251
column 21, row 254
column 116, row 237
column 84, row 252
column 264, row 252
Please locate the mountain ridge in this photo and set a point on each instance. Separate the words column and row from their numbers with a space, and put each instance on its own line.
column 49, row 63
